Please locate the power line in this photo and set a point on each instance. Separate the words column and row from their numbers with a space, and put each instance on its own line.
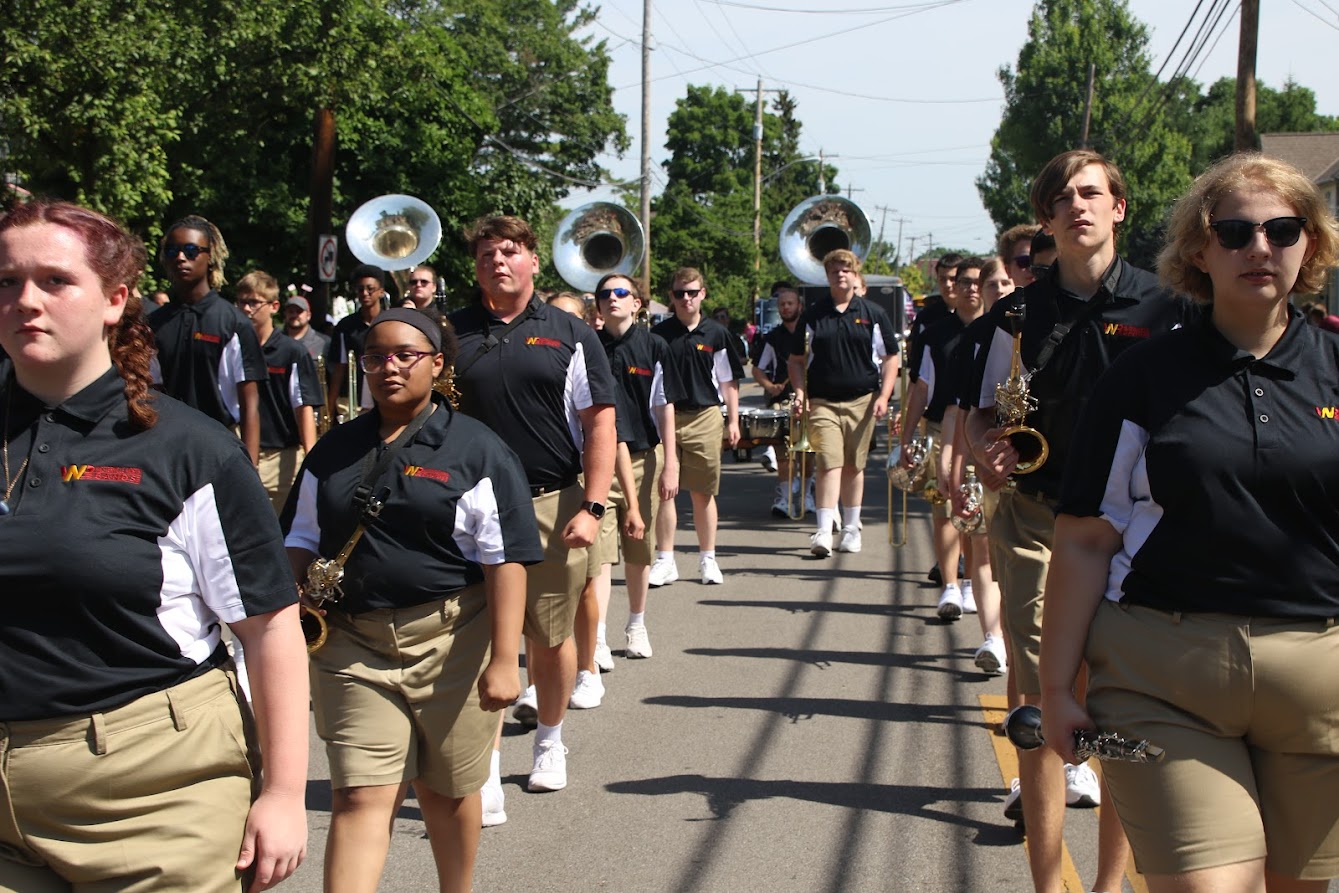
column 1318, row 15
column 869, row 10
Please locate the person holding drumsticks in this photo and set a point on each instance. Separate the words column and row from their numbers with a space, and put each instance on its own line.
column 1195, row 550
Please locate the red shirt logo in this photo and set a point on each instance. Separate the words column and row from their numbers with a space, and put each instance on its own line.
column 212, row 339
column 432, row 474
column 537, row 341
column 1123, row 331
column 706, row 348
column 638, row 370
column 110, row 473
column 1327, row 412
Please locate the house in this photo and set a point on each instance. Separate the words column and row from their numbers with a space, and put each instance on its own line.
column 1317, row 156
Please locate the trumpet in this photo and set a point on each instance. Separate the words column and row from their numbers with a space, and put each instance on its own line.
column 1013, row 403
column 798, row 449
column 1023, row 728
column 972, row 494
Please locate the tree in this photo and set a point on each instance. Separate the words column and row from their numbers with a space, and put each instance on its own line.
column 1210, row 117
column 1045, row 93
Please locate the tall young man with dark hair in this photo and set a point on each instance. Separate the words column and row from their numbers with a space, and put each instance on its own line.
column 369, row 288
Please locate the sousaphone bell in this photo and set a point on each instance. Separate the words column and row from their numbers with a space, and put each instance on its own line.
column 819, row 225
column 595, row 240
column 394, row 232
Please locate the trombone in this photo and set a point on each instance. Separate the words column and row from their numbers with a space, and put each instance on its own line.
column 798, row 448
column 354, row 397
column 322, row 420
column 894, row 450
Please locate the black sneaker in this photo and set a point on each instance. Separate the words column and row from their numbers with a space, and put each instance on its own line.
column 935, row 576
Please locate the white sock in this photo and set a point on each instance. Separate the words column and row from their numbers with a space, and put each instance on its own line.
column 851, row 517
column 638, row 619
column 667, row 556
column 600, row 629
column 710, row 553
column 825, row 519
column 549, row 733
column 495, row 767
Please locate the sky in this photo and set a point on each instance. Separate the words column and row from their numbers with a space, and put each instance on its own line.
column 905, row 93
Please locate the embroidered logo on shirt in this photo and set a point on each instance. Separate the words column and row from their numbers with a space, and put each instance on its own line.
column 638, row 370
column 1124, row 331
column 1327, row 412
column 537, row 341
column 212, row 339
column 111, row 473
column 276, row 370
column 432, row 474
column 707, row 348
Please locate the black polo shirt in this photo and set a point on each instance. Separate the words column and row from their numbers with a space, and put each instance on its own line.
column 1133, row 307
column 939, row 369
column 847, row 347
column 1220, row 471
column 205, row 350
column 974, row 338
column 291, row 383
column 934, row 309
column 646, row 379
column 349, row 335
column 705, row 357
column 771, row 354
column 124, row 550
column 531, row 385
column 455, row 499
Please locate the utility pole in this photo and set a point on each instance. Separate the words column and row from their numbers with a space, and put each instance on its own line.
column 1088, row 105
column 883, row 220
column 822, row 174
column 757, row 192
column 645, row 211
column 851, row 189
column 1250, row 29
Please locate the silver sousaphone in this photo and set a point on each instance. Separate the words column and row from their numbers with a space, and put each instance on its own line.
column 818, row 225
column 396, row 233
column 595, row 240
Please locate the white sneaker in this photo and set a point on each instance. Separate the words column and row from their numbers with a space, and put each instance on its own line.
column 494, row 801
column 769, row 459
column 968, row 599
column 639, row 643
column 950, row 603
column 820, row 543
column 1081, row 787
column 990, row 657
column 663, row 571
column 781, row 505
column 604, row 658
column 850, row 541
column 526, row 710
column 710, row 571
column 1013, row 804
column 550, row 771
column 588, row 692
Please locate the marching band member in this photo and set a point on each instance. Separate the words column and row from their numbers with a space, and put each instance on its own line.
column 132, row 527
column 1201, row 462
column 851, row 364
column 422, row 646
column 771, row 370
column 706, row 357
column 1090, row 307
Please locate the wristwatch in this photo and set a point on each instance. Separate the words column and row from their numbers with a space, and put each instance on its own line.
column 596, row 509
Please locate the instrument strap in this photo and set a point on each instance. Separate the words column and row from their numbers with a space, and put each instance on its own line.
column 379, row 459
column 1062, row 329
column 490, row 340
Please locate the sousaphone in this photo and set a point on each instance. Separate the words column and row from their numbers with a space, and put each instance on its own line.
column 595, row 240
column 396, row 233
column 818, row 225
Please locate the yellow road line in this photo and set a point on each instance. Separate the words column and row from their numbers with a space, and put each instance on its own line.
column 994, row 708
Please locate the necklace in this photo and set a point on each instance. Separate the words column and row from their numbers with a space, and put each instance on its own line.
column 9, row 482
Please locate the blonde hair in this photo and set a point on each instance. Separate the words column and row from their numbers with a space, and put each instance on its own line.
column 841, row 256
column 1188, row 231
column 218, row 249
column 260, row 284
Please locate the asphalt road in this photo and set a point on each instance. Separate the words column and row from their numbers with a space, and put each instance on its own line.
column 809, row 725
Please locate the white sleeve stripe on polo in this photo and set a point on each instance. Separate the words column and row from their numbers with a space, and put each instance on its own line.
column 880, row 349
column 478, row 525
column 231, row 373
column 294, row 387
column 199, row 585
column 720, row 362
column 767, row 360
column 999, row 352
column 927, row 374
column 576, row 394
column 1127, row 502
column 305, row 530
column 658, row 386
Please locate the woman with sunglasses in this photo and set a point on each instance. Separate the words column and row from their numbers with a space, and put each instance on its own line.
column 405, row 689
column 208, row 354
column 1196, row 547
column 131, row 530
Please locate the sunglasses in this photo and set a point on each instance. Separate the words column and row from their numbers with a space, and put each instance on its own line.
column 1022, row 261
column 1039, row 271
column 191, row 251
column 1281, row 232
column 420, row 282
column 686, row 292
column 605, row 294
column 404, row 359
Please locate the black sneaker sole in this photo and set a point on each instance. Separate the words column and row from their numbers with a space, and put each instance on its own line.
column 935, row 577
column 948, row 615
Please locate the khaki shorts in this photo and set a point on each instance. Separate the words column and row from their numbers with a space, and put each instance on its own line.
column 278, row 470
column 697, row 434
column 605, row 550
column 840, row 431
column 646, row 476
column 990, row 500
column 553, row 587
column 156, row 791
column 395, row 694
column 1024, row 528
column 1245, row 709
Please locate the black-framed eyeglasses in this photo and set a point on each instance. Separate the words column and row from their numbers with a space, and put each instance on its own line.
column 191, row 251
column 1281, row 232
column 1039, row 271
column 420, row 282
column 605, row 294
column 964, row 282
column 373, row 363
column 686, row 292
column 251, row 303
column 1022, row 261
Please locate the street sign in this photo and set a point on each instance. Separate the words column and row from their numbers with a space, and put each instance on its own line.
column 327, row 252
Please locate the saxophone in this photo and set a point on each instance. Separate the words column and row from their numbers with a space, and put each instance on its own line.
column 972, row 494
column 1013, row 403
column 323, row 578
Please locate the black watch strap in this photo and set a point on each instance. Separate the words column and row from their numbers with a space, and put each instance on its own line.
column 595, row 508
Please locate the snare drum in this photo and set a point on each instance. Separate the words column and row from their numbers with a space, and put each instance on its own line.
column 767, row 426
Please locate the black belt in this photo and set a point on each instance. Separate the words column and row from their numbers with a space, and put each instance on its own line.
column 536, row 492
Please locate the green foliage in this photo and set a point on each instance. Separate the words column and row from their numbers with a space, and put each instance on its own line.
column 163, row 113
column 1211, row 118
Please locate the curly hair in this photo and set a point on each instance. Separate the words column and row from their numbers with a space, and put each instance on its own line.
column 218, row 249
column 1188, row 230
column 445, row 383
column 118, row 259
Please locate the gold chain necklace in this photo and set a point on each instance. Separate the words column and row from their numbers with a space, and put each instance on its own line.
column 4, row 436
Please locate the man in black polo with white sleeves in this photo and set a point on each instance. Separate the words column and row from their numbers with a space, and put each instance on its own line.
column 539, row 377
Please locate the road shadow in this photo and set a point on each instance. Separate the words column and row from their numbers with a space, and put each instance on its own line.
column 797, row 709
column 822, row 659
